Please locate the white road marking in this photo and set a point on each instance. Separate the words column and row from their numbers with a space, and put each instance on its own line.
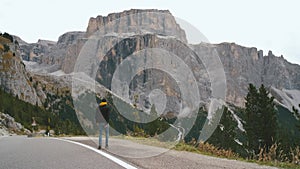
column 112, row 158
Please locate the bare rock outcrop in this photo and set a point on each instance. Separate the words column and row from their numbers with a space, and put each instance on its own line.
column 8, row 126
column 137, row 21
column 14, row 78
column 243, row 65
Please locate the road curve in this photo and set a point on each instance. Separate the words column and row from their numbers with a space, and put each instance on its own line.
column 169, row 159
column 20, row 152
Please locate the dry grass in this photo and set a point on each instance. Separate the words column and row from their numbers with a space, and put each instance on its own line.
column 296, row 155
column 273, row 155
column 276, row 157
column 207, row 149
column 213, row 150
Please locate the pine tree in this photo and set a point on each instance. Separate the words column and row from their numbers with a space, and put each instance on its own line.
column 297, row 115
column 268, row 120
column 261, row 119
column 225, row 134
column 195, row 131
column 251, row 117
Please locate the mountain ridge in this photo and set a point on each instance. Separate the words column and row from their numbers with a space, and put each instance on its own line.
column 242, row 65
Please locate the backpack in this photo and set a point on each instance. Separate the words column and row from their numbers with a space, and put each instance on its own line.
column 98, row 116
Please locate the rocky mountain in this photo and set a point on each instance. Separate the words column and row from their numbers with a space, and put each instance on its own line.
column 35, row 52
column 138, row 29
column 23, row 81
column 13, row 75
column 245, row 65
column 157, row 76
column 49, row 55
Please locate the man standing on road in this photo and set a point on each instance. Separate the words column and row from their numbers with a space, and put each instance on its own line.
column 103, row 120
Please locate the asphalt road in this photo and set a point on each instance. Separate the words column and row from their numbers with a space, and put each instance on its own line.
column 17, row 152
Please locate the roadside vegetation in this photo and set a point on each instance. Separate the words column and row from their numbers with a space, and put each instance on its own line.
column 270, row 136
column 25, row 113
column 264, row 158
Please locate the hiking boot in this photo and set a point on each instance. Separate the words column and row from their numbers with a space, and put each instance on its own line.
column 99, row 147
column 106, row 146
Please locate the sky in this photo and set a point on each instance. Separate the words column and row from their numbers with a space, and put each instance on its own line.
column 265, row 24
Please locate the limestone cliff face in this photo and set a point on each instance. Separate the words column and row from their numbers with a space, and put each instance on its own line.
column 165, row 72
column 64, row 48
column 137, row 21
column 71, row 54
column 280, row 73
column 50, row 55
column 63, row 53
column 127, row 23
column 13, row 76
column 241, row 65
column 244, row 65
column 35, row 51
